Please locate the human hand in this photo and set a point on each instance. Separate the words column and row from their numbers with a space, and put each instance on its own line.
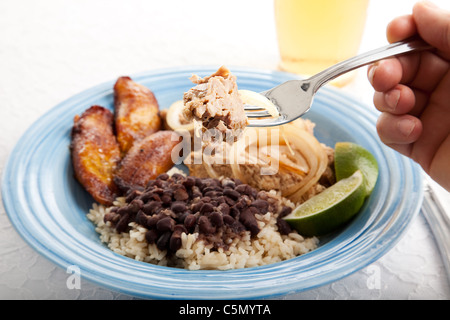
column 413, row 92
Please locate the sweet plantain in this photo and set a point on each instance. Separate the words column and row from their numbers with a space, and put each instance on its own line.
column 136, row 112
column 147, row 159
column 95, row 153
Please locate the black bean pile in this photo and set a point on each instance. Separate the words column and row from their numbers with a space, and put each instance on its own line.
column 218, row 210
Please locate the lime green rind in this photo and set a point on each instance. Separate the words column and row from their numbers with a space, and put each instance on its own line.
column 350, row 157
column 335, row 212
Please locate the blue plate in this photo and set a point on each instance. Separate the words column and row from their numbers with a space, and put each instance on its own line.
column 48, row 207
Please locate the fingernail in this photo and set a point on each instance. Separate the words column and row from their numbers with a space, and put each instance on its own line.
column 371, row 72
column 406, row 126
column 392, row 98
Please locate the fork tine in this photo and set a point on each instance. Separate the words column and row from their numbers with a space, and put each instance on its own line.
column 248, row 107
column 258, row 114
column 267, row 122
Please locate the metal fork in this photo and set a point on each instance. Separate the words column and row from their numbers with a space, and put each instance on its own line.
column 293, row 98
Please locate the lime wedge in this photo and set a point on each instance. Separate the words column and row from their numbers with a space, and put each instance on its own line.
column 330, row 209
column 349, row 157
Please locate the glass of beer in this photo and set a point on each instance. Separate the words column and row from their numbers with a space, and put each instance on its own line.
column 315, row 34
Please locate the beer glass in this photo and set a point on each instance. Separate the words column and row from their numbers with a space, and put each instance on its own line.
column 315, row 34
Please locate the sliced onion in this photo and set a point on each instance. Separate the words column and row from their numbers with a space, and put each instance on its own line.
column 175, row 115
column 315, row 155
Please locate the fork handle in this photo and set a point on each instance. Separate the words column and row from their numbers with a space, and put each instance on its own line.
column 397, row 48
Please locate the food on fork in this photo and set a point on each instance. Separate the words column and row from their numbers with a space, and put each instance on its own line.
column 136, row 112
column 216, row 103
column 95, row 153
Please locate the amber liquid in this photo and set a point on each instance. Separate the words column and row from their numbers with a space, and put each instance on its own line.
column 315, row 34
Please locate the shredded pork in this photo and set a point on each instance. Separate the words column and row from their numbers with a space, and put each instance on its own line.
column 216, row 103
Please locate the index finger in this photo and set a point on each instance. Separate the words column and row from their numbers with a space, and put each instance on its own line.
column 401, row 28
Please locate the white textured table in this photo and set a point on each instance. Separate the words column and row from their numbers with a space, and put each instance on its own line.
column 51, row 50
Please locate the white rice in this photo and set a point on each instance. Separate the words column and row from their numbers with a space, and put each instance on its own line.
column 268, row 246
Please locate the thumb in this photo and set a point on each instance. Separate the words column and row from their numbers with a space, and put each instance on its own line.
column 433, row 25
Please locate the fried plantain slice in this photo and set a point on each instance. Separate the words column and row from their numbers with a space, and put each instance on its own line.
column 95, row 153
column 136, row 112
column 146, row 159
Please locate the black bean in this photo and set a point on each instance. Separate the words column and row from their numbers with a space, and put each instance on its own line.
column 165, row 224
column 241, row 188
column 122, row 225
column 241, row 204
column 229, row 201
column 189, row 182
column 199, row 183
column 237, row 227
column 220, row 199
column 123, row 210
column 180, row 194
column 135, row 205
column 180, row 228
column 152, row 207
column 163, row 176
column 214, row 203
column 228, row 220
column 142, row 218
column 149, row 196
column 180, row 218
column 178, row 206
column 111, row 216
column 177, row 177
column 159, row 188
column 205, row 225
column 233, row 194
column 175, row 241
column 151, row 221
column 261, row 205
column 283, row 226
column 234, row 212
column 196, row 206
column 190, row 221
column 132, row 195
column 228, row 183
column 224, row 208
column 196, row 192
column 151, row 236
column 216, row 219
column 284, row 211
column 163, row 241
column 211, row 182
column 246, row 189
column 206, row 199
column 206, row 208
column 213, row 194
column 166, row 198
column 247, row 217
column 208, row 188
